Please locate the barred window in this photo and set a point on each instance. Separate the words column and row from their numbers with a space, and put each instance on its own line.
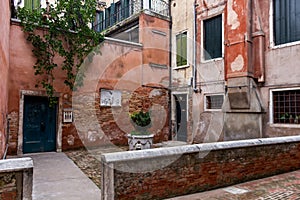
column 286, row 106
column 214, row 102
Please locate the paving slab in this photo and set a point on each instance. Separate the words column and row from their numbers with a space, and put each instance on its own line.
column 56, row 177
column 280, row 187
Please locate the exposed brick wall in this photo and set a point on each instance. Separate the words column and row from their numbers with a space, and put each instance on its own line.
column 140, row 99
column 16, row 178
column 8, row 185
column 13, row 132
column 191, row 173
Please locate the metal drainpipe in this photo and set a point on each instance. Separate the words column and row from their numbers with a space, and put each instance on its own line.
column 195, row 50
column 170, row 72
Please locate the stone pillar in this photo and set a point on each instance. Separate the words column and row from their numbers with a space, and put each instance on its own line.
column 242, row 107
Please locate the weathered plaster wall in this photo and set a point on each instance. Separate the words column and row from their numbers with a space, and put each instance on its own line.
column 281, row 70
column 22, row 78
column 4, row 68
column 121, row 66
column 207, row 125
column 182, row 21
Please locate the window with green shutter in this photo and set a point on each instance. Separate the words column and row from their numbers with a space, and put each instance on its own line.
column 286, row 21
column 181, row 49
column 98, row 24
column 32, row 4
column 212, row 37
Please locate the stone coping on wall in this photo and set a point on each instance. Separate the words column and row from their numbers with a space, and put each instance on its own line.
column 15, row 164
column 134, row 44
column 205, row 147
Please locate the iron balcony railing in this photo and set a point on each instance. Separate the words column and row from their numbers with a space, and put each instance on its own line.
column 117, row 12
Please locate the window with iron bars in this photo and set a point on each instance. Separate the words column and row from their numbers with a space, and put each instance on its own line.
column 286, row 106
column 214, row 102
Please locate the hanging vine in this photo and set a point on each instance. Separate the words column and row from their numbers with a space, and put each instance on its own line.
column 61, row 30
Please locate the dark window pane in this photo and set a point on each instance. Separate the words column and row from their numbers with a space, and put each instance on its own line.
column 213, row 37
column 286, row 21
column 214, row 101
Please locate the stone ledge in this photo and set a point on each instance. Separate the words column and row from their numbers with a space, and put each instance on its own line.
column 173, row 151
column 16, row 164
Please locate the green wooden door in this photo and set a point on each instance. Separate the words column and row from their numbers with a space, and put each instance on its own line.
column 39, row 125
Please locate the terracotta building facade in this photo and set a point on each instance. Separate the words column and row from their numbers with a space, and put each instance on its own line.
column 130, row 74
column 4, row 73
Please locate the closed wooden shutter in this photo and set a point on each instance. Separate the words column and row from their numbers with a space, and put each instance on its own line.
column 28, row 4
column 286, row 21
column 213, row 37
column 181, row 49
column 112, row 14
column 36, row 4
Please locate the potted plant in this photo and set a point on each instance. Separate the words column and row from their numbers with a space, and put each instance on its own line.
column 297, row 119
column 140, row 138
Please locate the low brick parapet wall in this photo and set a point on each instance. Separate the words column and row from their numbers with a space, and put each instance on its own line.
column 168, row 172
column 16, row 177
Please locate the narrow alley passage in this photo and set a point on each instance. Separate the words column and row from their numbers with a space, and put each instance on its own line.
column 55, row 177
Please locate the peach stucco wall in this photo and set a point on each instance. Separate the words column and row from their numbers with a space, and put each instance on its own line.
column 119, row 66
column 4, row 66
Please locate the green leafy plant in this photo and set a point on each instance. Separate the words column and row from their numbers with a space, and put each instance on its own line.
column 141, row 120
column 61, row 30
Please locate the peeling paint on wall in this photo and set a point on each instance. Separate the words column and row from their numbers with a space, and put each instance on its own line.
column 237, row 64
column 232, row 16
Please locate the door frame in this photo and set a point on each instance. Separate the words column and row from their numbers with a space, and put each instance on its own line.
column 21, row 117
column 175, row 110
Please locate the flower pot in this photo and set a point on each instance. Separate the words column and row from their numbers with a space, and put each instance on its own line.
column 140, row 142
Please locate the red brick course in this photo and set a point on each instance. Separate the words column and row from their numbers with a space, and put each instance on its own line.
column 191, row 173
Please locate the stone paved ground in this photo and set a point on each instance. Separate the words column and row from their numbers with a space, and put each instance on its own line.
column 89, row 160
column 87, row 163
column 281, row 187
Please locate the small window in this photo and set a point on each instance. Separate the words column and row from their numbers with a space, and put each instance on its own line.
column 212, row 38
column 118, row 11
column 214, row 102
column 286, row 106
column 286, row 21
column 32, row 4
column 99, row 22
column 181, row 49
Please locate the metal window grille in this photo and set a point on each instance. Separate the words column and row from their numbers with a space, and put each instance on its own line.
column 214, row 101
column 286, row 106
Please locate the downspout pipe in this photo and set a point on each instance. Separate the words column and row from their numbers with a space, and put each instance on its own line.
column 195, row 89
column 170, row 71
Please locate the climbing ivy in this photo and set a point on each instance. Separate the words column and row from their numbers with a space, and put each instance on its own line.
column 61, row 30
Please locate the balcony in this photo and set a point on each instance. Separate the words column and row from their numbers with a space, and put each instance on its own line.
column 124, row 9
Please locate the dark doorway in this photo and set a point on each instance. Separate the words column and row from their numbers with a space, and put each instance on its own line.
column 181, row 117
column 39, row 125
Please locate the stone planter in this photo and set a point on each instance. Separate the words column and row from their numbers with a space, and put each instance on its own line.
column 140, row 142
